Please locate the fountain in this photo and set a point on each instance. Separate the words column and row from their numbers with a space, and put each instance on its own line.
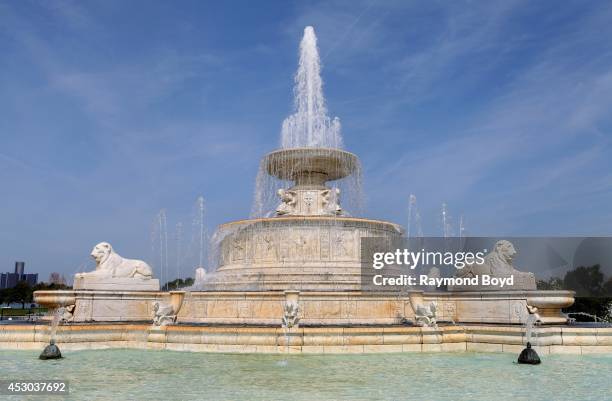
column 311, row 153
column 159, row 243
column 310, row 127
column 290, row 277
column 179, row 248
column 198, row 230
column 529, row 356
column 589, row 315
column 413, row 215
column 306, row 237
column 52, row 351
column 446, row 225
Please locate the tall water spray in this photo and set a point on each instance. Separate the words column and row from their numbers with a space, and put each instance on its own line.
column 159, row 242
column 199, row 234
column 447, row 230
column 179, row 248
column 310, row 125
column 461, row 227
column 307, row 131
column 184, row 252
column 413, row 216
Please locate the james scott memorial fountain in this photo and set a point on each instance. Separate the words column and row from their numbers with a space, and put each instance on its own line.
column 290, row 279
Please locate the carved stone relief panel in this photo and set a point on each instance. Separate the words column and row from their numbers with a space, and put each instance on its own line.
column 343, row 243
column 300, row 244
column 266, row 246
column 238, row 247
column 324, row 243
column 310, row 202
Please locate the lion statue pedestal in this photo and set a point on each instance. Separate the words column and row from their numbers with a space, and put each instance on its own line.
column 115, row 284
column 116, row 273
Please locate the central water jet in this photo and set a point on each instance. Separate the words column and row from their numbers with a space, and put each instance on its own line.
column 310, row 126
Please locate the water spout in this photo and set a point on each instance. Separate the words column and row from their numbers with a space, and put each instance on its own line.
column 52, row 351
column 529, row 355
column 179, row 248
column 413, row 215
column 199, row 230
column 595, row 318
column 446, row 225
column 159, row 243
column 310, row 125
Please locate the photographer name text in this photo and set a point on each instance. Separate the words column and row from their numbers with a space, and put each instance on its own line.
column 425, row 280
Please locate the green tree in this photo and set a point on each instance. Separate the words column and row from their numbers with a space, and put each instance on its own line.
column 42, row 286
column 553, row 283
column 22, row 292
column 586, row 281
column 593, row 296
column 5, row 295
column 177, row 284
column 607, row 288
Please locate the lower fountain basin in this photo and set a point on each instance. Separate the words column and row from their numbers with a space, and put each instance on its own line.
column 317, row 308
column 140, row 374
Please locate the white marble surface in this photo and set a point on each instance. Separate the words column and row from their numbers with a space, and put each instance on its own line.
column 115, row 283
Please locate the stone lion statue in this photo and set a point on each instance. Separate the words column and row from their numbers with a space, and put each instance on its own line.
column 498, row 263
column 500, row 260
column 110, row 264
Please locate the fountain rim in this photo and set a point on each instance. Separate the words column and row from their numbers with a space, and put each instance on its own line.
column 247, row 222
column 347, row 162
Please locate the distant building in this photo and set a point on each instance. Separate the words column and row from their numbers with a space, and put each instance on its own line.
column 19, row 268
column 10, row 280
column 56, row 278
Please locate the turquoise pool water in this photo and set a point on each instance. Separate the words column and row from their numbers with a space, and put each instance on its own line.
column 165, row 375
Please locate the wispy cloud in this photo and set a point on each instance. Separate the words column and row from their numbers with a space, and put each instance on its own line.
column 538, row 125
column 500, row 109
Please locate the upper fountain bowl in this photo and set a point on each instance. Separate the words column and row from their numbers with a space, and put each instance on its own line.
column 318, row 164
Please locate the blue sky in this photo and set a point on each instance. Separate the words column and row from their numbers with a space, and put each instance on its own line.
column 113, row 110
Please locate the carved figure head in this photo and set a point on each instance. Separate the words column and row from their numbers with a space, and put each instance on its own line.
column 286, row 195
column 290, row 314
column 101, row 252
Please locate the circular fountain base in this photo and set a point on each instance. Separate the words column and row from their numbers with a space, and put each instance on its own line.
column 294, row 253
